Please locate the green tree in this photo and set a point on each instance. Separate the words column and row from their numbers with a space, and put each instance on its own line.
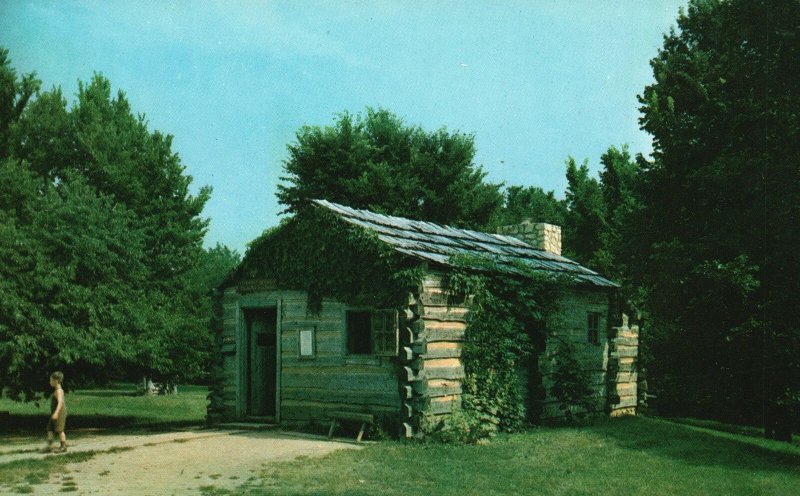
column 598, row 218
column 101, row 139
column 100, row 237
column 717, row 229
column 14, row 96
column 586, row 213
column 376, row 161
column 520, row 203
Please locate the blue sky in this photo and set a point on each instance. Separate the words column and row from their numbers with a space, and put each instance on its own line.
column 534, row 81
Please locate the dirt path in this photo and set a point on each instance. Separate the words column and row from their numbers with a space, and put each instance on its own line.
column 174, row 463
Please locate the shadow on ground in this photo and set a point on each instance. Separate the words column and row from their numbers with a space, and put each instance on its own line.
column 695, row 446
column 28, row 424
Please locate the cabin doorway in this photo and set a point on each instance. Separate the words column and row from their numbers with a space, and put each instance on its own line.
column 262, row 358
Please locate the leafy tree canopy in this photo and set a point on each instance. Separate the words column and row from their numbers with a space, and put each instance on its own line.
column 99, row 240
column 532, row 202
column 376, row 161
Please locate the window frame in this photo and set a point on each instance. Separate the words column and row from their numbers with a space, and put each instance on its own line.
column 383, row 331
column 347, row 332
column 593, row 331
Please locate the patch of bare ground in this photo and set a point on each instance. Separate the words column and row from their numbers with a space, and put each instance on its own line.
column 180, row 462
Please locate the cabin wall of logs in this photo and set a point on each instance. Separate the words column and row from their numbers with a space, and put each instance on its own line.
column 426, row 376
column 571, row 325
column 308, row 386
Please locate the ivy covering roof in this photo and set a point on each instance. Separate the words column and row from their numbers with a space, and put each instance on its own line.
column 437, row 244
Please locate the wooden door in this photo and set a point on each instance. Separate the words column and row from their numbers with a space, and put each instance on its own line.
column 262, row 361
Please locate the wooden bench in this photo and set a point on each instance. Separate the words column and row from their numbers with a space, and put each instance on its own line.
column 364, row 418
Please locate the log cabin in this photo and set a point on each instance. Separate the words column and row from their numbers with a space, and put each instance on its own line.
column 286, row 357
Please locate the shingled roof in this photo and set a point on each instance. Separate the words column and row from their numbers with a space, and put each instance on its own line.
column 436, row 243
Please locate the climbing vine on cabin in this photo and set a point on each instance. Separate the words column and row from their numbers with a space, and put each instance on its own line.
column 571, row 383
column 316, row 252
column 506, row 332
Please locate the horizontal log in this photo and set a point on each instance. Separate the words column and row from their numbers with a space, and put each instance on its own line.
column 445, row 335
column 349, row 397
column 300, row 310
column 626, row 352
column 295, row 325
column 620, row 341
column 455, row 314
column 449, row 352
column 445, row 373
column 623, row 377
column 431, row 299
column 436, row 326
column 434, row 363
column 434, row 391
column 341, row 378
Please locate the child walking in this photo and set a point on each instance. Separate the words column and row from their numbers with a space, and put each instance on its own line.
column 58, row 414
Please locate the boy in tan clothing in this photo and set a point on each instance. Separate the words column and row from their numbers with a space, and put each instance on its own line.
column 58, row 414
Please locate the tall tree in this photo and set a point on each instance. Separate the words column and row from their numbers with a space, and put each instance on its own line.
column 100, row 238
column 586, row 213
column 721, row 199
column 598, row 215
column 376, row 161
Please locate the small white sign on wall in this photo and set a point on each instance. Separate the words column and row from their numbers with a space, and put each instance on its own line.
column 306, row 342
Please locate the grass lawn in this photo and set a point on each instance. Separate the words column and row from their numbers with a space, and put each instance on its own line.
column 636, row 456
column 624, row 456
column 115, row 407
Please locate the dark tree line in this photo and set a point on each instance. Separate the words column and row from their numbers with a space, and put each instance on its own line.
column 719, row 205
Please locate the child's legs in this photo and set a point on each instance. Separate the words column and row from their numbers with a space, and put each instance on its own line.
column 62, row 436
column 50, row 429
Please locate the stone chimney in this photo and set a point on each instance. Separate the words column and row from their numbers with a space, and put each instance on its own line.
column 542, row 236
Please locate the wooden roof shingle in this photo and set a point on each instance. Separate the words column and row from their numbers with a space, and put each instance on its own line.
column 435, row 243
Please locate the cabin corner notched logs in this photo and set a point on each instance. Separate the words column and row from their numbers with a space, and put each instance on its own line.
column 432, row 336
column 622, row 369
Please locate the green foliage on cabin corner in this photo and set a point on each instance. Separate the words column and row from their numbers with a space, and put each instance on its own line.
column 571, row 384
column 505, row 334
column 316, row 252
